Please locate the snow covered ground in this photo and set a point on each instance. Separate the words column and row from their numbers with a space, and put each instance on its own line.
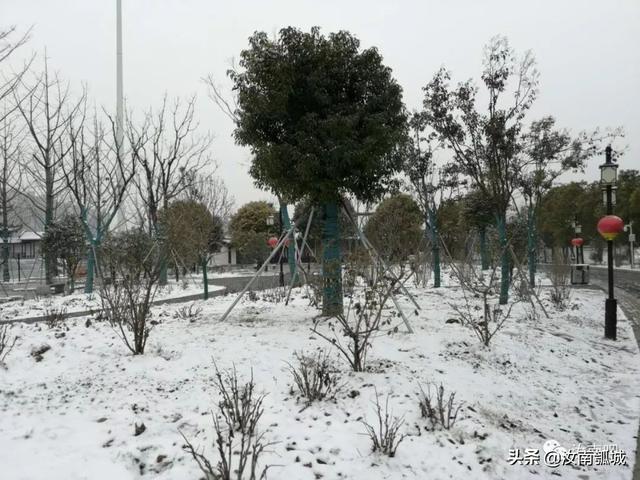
column 80, row 302
column 72, row 414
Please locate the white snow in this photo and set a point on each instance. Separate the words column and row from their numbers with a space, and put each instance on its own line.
column 72, row 415
column 81, row 302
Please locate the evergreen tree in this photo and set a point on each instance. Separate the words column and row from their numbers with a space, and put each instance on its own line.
column 323, row 119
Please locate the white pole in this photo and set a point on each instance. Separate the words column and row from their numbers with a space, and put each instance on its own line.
column 119, row 90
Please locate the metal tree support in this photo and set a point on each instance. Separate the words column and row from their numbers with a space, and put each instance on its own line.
column 370, row 248
column 298, row 255
column 373, row 253
column 279, row 245
column 524, row 277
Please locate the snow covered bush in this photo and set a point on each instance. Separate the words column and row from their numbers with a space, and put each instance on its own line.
column 133, row 260
column 237, row 442
column 188, row 312
column 240, row 405
column 385, row 433
column 363, row 318
column 54, row 317
column 441, row 411
column 7, row 342
column 315, row 285
column 559, row 275
column 315, row 376
column 480, row 310
column 275, row 295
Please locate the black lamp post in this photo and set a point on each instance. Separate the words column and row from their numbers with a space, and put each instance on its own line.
column 609, row 227
column 577, row 230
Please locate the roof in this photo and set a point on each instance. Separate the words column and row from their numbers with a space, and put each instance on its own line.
column 31, row 236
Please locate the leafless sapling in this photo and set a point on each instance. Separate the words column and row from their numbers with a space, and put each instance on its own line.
column 385, row 433
column 167, row 149
column 48, row 108
column 364, row 317
column 132, row 259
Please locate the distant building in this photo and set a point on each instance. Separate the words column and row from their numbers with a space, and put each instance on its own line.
column 26, row 244
column 226, row 255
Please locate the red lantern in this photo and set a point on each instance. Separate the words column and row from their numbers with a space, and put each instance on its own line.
column 577, row 242
column 272, row 242
column 610, row 226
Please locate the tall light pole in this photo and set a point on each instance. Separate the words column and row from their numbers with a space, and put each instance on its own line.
column 119, row 89
column 609, row 227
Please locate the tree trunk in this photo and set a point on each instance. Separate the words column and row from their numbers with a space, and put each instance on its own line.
column 504, row 257
column 435, row 247
column 205, row 279
column 72, row 281
column 5, row 259
column 91, row 266
column 531, row 245
column 6, row 276
column 161, row 238
column 331, row 262
column 164, row 275
column 286, row 225
column 49, row 258
column 484, row 254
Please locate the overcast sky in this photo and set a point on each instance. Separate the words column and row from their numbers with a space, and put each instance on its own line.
column 588, row 52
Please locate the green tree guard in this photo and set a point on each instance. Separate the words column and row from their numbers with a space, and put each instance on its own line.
column 435, row 246
column 205, row 278
column 5, row 260
column 162, row 245
column 531, row 245
column 484, row 255
column 331, row 262
column 504, row 257
column 91, row 265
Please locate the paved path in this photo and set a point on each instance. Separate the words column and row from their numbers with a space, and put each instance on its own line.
column 230, row 284
column 627, row 291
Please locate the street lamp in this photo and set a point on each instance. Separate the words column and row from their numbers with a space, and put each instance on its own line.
column 577, row 230
column 609, row 227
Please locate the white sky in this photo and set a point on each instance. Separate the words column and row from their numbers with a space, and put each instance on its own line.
column 587, row 51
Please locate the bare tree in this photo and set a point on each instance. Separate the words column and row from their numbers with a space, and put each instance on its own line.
column 47, row 110
column 210, row 190
column 10, row 183
column 10, row 42
column 167, row 149
column 228, row 107
column 430, row 185
column 10, row 139
column 97, row 175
